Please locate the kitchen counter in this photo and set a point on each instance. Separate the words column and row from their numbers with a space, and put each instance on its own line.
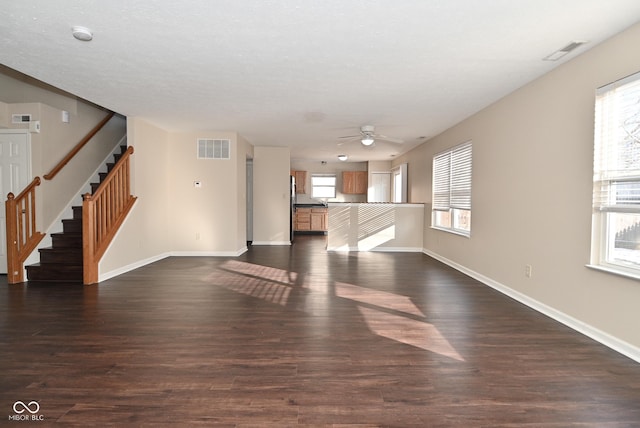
column 313, row 205
column 375, row 227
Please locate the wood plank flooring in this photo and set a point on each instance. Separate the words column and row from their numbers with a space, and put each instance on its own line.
column 295, row 336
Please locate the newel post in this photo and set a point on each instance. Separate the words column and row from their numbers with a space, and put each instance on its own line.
column 90, row 266
column 15, row 273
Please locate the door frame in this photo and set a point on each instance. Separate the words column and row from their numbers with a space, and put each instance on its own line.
column 29, row 175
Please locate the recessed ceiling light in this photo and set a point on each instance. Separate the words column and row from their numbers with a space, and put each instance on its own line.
column 82, row 33
column 343, row 157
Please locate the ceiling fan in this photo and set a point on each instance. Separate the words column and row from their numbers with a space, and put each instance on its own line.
column 368, row 136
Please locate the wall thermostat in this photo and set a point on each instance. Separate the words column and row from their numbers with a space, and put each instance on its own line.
column 34, row 126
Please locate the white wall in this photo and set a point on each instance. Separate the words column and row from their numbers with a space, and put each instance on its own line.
column 271, row 199
column 146, row 233
column 532, row 183
column 19, row 88
column 171, row 215
column 375, row 227
column 4, row 115
column 20, row 94
column 205, row 219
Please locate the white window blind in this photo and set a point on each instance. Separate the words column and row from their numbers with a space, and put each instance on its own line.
column 617, row 144
column 452, row 189
column 442, row 181
column 616, row 175
column 452, row 178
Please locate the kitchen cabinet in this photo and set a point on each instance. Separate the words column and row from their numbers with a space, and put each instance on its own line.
column 311, row 219
column 354, row 182
column 319, row 219
column 301, row 181
column 303, row 219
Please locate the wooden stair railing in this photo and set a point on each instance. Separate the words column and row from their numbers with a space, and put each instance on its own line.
column 22, row 236
column 102, row 215
column 56, row 169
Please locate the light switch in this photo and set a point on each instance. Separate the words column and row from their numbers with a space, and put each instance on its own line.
column 65, row 116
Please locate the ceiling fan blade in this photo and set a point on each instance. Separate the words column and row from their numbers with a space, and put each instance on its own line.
column 347, row 141
column 350, row 136
column 389, row 139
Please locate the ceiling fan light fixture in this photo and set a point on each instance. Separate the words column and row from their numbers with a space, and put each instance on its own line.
column 367, row 140
column 343, row 157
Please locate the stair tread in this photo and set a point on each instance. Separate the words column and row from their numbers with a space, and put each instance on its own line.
column 64, row 249
column 45, row 264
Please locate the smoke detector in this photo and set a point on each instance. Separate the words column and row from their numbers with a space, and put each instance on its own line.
column 82, row 33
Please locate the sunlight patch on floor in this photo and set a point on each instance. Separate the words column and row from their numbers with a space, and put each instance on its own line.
column 263, row 282
column 275, row 286
column 263, row 272
column 408, row 331
column 379, row 298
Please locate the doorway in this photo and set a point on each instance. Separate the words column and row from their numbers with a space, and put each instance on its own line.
column 15, row 175
column 400, row 183
column 249, row 201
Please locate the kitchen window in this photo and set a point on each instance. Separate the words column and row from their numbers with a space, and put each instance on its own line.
column 615, row 239
column 323, row 185
column 451, row 209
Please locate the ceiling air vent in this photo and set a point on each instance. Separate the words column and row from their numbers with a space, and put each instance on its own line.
column 562, row 52
column 213, row 149
column 20, row 118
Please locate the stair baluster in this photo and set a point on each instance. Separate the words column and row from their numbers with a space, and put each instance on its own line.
column 22, row 236
column 74, row 254
column 103, row 213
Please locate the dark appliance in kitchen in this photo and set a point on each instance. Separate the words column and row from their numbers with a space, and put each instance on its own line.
column 292, row 205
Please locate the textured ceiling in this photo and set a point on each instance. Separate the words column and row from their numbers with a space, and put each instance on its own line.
column 302, row 73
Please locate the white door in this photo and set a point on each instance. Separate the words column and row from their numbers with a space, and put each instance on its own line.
column 15, row 175
column 380, row 189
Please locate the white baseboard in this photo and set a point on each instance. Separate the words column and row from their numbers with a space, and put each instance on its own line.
column 396, row 249
column 208, row 253
column 271, row 243
column 378, row 249
column 600, row 336
column 124, row 269
column 108, row 275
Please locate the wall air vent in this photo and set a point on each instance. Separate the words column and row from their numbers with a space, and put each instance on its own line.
column 20, row 118
column 209, row 148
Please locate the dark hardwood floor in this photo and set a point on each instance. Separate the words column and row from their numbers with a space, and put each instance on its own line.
column 296, row 336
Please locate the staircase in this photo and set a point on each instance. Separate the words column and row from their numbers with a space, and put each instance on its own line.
column 62, row 262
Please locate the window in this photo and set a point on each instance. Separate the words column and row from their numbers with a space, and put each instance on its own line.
column 323, row 186
column 451, row 209
column 615, row 243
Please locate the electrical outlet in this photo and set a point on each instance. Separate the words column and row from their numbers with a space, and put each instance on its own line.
column 528, row 271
